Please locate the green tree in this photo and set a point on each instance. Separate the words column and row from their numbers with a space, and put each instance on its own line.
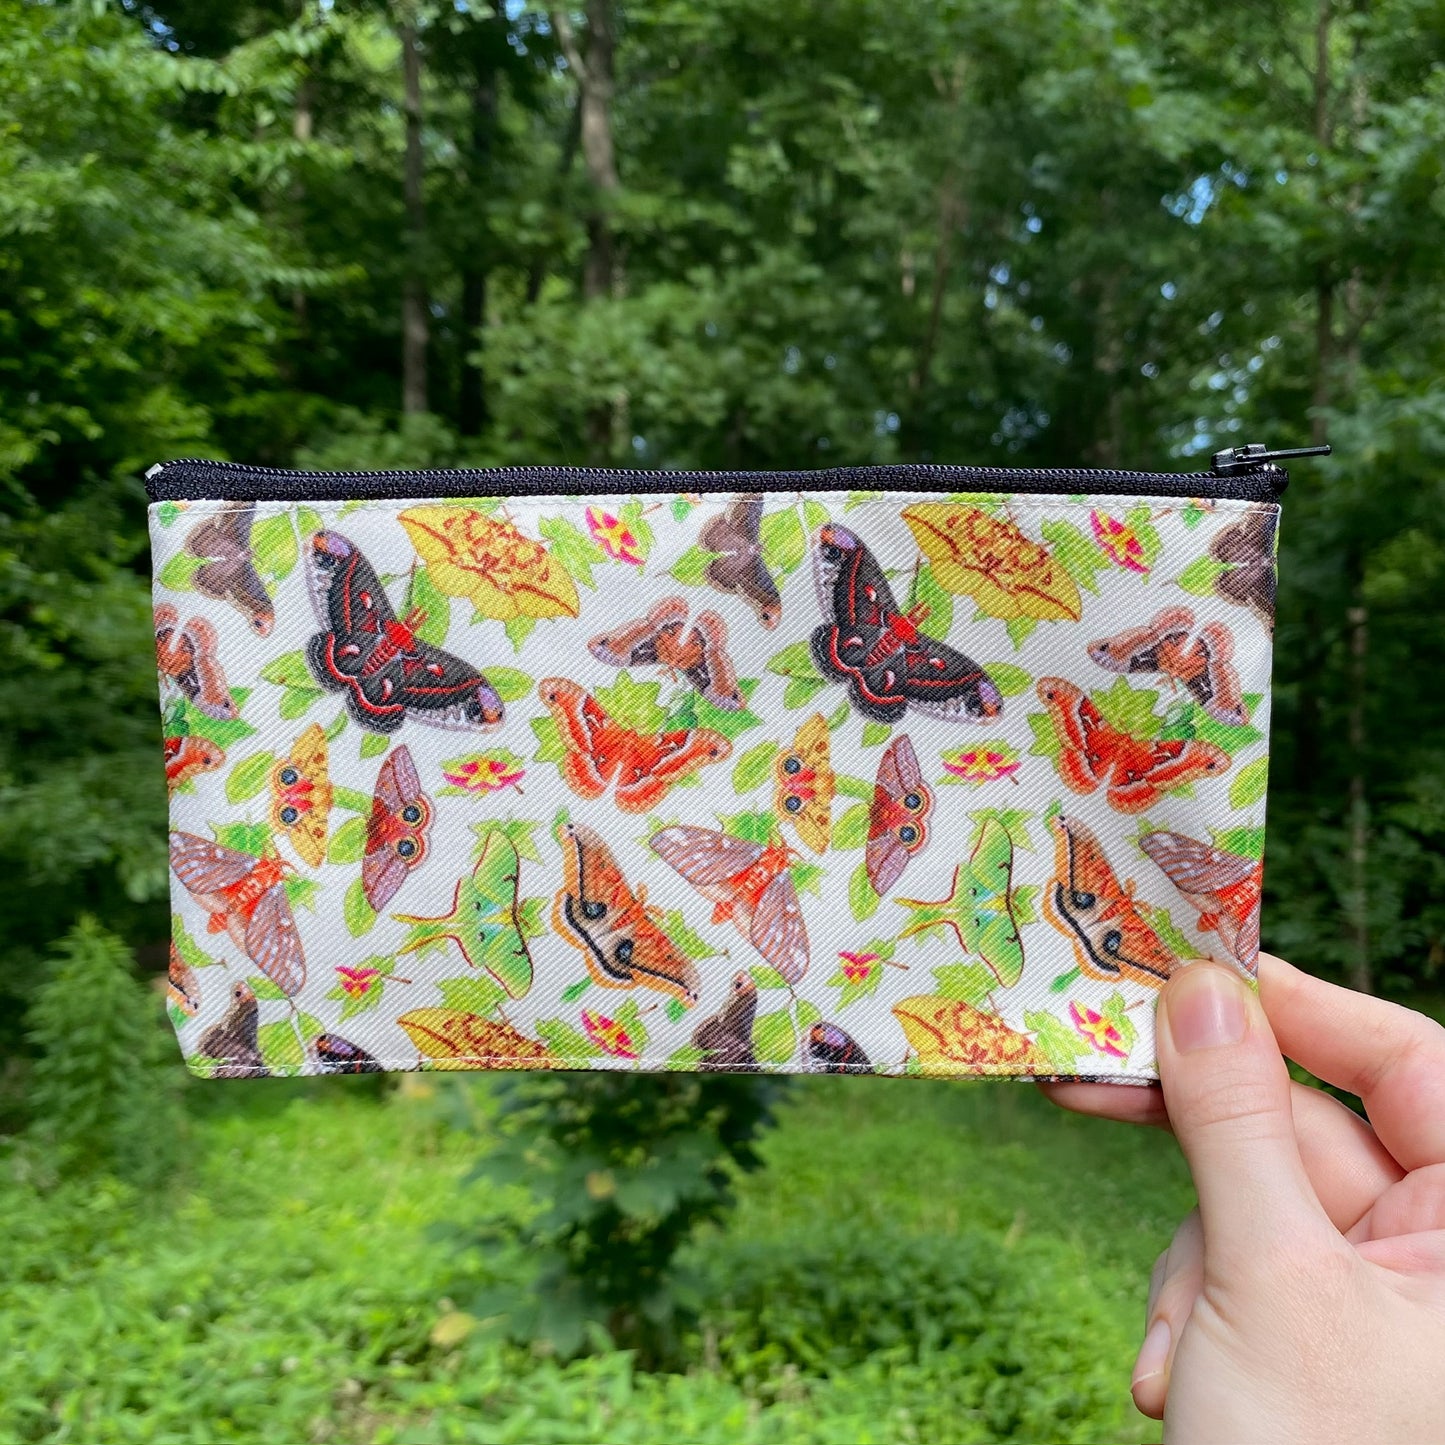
column 626, row 1168
column 100, row 1101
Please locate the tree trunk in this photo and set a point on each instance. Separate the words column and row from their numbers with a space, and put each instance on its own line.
column 595, row 75
column 594, row 71
column 414, row 301
column 1309, row 724
column 1360, row 972
column 302, row 128
column 1359, row 967
column 471, row 392
column 537, row 271
column 952, row 216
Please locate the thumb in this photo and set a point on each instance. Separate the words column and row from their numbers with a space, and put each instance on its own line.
column 1228, row 1096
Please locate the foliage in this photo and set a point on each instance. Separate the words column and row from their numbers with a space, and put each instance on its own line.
column 102, row 1101
column 939, row 232
column 289, row 1288
column 626, row 1168
column 1092, row 232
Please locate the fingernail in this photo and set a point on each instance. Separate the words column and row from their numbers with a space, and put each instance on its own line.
column 1205, row 1009
column 1153, row 1354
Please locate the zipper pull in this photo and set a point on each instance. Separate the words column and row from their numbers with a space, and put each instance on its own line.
column 1234, row 460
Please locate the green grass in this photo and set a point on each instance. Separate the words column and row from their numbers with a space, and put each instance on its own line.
column 917, row 1260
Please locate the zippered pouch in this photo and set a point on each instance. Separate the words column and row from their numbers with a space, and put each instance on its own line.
column 898, row 770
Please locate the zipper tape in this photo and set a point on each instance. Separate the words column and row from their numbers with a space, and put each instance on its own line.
column 1251, row 479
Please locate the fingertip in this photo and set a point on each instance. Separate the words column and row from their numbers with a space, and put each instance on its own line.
column 1150, row 1381
column 1149, row 1396
column 1203, row 1005
column 1277, row 973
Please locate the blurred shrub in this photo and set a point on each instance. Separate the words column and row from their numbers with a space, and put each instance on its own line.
column 290, row 1293
column 624, row 1168
column 102, row 1099
column 998, row 1320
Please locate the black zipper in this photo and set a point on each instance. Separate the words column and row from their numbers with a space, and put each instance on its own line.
column 1246, row 474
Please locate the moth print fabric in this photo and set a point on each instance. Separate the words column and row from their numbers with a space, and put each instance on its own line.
column 888, row 662
column 381, row 664
column 761, row 781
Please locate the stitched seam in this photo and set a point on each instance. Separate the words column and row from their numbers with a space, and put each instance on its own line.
column 412, row 1065
column 1035, row 503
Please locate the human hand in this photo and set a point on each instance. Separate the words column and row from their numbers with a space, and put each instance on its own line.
column 1304, row 1300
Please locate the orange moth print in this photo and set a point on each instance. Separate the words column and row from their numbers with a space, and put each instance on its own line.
column 1087, row 903
column 188, row 757
column 621, row 940
column 301, row 795
column 1135, row 772
column 183, row 990
column 245, row 897
column 1201, row 661
column 187, row 658
column 397, row 830
column 897, row 817
column 599, row 750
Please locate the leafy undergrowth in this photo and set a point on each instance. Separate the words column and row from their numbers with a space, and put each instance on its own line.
column 916, row 1261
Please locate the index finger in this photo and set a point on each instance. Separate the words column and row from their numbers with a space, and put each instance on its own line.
column 1391, row 1056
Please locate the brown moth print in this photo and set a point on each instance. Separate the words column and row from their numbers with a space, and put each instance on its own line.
column 186, row 657
column 662, row 638
column 1168, row 644
column 1224, row 888
column 726, row 1038
column 1246, row 548
column 868, row 642
column 618, row 936
column 228, row 573
column 376, row 659
column 235, row 1040
column 337, row 1055
column 1097, row 914
column 748, row 883
column 246, row 898
column 738, row 569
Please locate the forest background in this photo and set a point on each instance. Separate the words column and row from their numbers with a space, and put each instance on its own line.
column 659, row 233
